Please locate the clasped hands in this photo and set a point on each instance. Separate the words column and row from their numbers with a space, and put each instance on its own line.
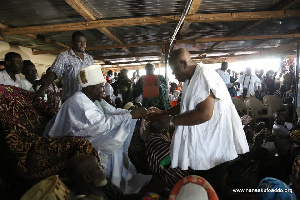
column 152, row 115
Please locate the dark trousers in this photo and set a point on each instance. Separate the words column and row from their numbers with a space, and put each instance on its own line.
column 215, row 176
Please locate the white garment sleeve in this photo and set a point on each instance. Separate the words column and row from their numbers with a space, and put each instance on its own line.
column 107, row 133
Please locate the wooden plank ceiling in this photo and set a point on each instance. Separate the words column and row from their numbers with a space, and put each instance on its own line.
column 133, row 32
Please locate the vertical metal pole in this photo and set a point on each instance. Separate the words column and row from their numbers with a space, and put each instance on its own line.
column 166, row 61
column 297, row 82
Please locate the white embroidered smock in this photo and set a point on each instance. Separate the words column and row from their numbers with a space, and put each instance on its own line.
column 216, row 141
column 108, row 129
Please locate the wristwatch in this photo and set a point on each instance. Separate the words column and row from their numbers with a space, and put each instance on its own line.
column 171, row 123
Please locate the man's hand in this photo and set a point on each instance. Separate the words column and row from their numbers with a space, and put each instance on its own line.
column 40, row 93
column 152, row 115
column 35, row 84
column 154, row 110
column 138, row 113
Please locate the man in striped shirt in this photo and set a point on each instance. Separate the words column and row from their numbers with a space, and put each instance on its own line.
column 67, row 65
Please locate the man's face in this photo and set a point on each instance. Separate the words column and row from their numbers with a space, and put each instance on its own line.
column 150, row 70
column 98, row 91
column 280, row 120
column 248, row 71
column 79, row 44
column 177, row 70
column 31, row 73
column 15, row 64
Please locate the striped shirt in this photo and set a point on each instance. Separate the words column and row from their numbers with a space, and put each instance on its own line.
column 67, row 65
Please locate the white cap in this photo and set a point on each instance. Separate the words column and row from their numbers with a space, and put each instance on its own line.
column 91, row 75
column 191, row 191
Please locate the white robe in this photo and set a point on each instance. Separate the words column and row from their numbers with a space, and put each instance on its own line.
column 108, row 129
column 218, row 140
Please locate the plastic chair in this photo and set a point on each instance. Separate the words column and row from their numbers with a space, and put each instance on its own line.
column 240, row 105
column 276, row 105
column 257, row 110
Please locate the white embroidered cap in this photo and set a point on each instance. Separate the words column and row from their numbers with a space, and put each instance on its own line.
column 91, row 75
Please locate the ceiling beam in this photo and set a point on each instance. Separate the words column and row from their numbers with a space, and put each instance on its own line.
column 127, row 56
column 285, row 4
column 218, row 17
column 261, row 54
column 45, row 40
column 89, row 16
column 197, row 40
column 131, row 62
column 193, row 10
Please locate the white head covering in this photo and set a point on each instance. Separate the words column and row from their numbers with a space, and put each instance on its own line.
column 91, row 75
column 191, row 191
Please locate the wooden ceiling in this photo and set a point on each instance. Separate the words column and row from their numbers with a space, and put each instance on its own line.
column 133, row 32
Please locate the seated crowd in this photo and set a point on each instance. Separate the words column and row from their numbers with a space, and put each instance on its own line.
column 109, row 137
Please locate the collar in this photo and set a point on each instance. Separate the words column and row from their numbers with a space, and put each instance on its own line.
column 71, row 51
column 18, row 79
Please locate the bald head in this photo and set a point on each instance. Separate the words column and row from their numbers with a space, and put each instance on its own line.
column 85, row 171
column 182, row 65
column 180, row 54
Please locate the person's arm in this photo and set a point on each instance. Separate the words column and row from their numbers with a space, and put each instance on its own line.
column 45, row 82
column 202, row 113
column 172, row 111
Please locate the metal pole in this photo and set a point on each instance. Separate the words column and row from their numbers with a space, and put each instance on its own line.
column 183, row 15
column 166, row 62
column 297, row 82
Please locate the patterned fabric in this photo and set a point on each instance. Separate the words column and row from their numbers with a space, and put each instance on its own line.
column 35, row 157
column 67, row 65
column 282, row 191
column 158, row 147
column 160, row 102
column 50, row 188
column 151, row 196
column 137, row 151
column 295, row 136
column 196, row 180
column 246, row 119
column 53, row 96
column 20, row 107
column 22, row 151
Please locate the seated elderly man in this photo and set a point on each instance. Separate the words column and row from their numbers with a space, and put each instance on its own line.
column 109, row 129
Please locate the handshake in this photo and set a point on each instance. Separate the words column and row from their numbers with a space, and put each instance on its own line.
column 141, row 112
column 152, row 115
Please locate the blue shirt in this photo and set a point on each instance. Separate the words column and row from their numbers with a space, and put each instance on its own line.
column 67, row 65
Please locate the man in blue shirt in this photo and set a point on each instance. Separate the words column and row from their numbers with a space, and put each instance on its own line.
column 67, row 65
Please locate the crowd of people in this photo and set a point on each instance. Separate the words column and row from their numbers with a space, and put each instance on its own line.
column 111, row 137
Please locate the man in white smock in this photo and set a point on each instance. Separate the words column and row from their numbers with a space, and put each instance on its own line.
column 208, row 130
column 247, row 83
column 109, row 129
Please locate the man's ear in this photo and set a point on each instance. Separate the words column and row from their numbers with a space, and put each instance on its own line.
column 86, row 177
column 7, row 63
column 184, row 64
